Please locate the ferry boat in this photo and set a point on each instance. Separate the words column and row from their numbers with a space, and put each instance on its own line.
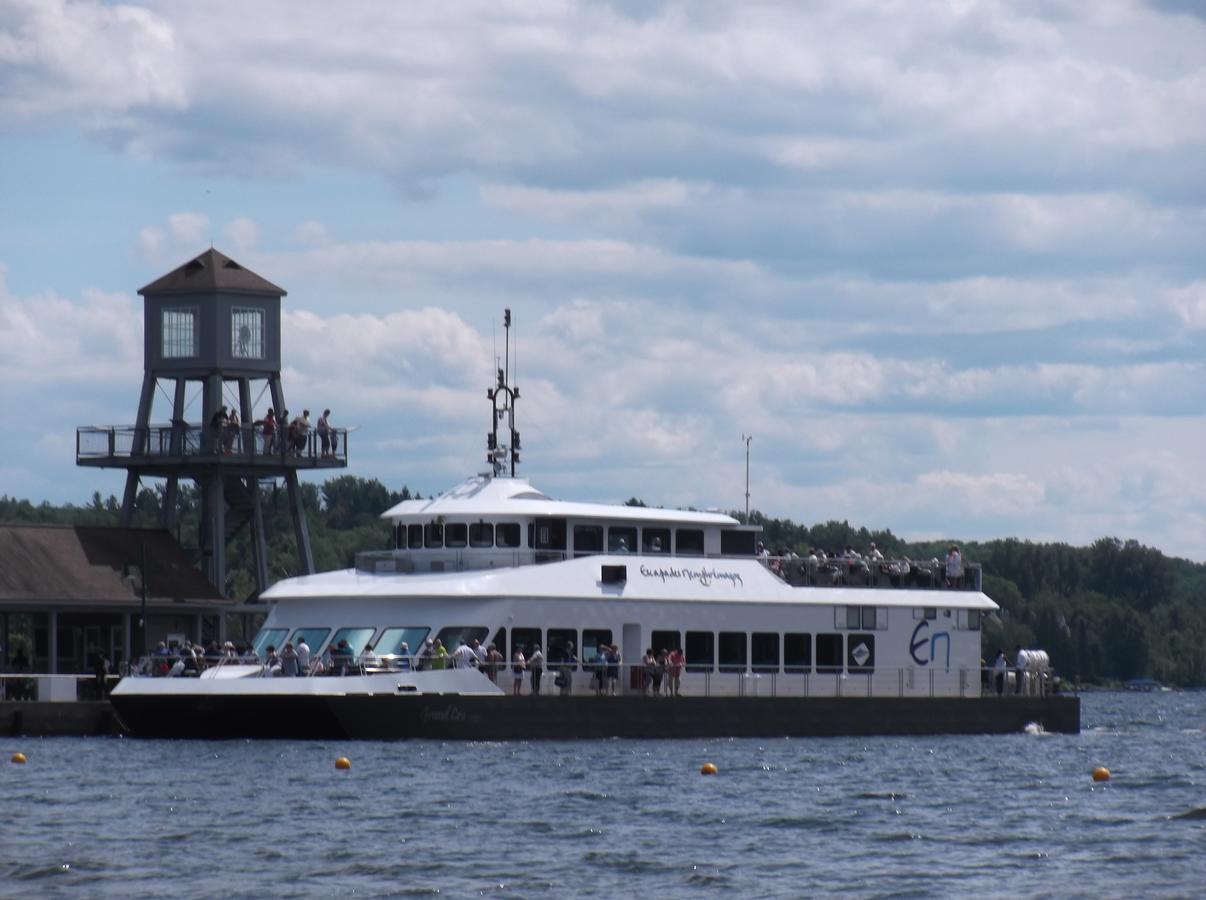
column 742, row 643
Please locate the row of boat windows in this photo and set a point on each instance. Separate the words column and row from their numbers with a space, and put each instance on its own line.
column 705, row 651
column 551, row 535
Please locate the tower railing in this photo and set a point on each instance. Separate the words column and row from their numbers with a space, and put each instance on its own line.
column 121, row 444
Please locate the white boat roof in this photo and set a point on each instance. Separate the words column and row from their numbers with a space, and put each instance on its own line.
column 664, row 578
column 483, row 495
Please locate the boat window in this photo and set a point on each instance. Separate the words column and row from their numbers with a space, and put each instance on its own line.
column 869, row 617
column 666, row 640
column 454, row 635
column 700, row 651
column 357, row 638
column 506, row 534
column 456, row 534
column 549, row 534
column 621, row 539
column 481, row 534
column 928, row 612
column 829, row 653
column 433, row 535
column 414, row 536
column 592, row 639
column 853, row 617
column 274, row 637
column 524, row 640
column 690, row 542
column 391, row 641
column 861, row 657
column 655, row 540
column 732, row 651
column 764, row 651
column 588, row 539
column 314, row 638
column 737, row 543
column 973, row 620
column 562, row 642
column 797, row 652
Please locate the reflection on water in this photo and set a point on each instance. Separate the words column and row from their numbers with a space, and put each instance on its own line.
column 953, row 816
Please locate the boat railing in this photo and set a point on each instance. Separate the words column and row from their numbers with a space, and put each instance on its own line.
column 764, row 681
column 796, row 571
column 874, row 573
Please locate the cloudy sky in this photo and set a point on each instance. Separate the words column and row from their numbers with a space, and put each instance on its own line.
column 945, row 261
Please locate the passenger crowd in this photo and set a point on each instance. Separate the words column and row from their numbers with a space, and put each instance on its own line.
column 274, row 433
column 658, row 673
column 852, row 567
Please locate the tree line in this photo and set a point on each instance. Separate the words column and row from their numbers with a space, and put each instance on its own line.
column 1108, row 612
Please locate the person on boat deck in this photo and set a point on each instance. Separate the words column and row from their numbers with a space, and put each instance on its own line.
column 599, row 679
column 675, row 670
column 463, row 656
column 762, row 551
column 479, row 652
column 425, row 655
column 439, row 655
column 613, row 668
column 661, row 664
column 954, row 568
column 272, row 662
column 341, row 658
column 536, row 666
column 303, row 655
column 518, row 664
column 1019, row 666
column 403, row 660
column 289, row 666
column 494, row 662
column 999, row 666
column 565, row 674
column 873, row 553
column 369, row 659
column 622, row 546
column 648, row 667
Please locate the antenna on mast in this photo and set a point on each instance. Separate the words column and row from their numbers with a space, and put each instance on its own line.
column 503, row 457
column 747, row 438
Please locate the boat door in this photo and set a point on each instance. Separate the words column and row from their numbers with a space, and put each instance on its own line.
column 632, row 651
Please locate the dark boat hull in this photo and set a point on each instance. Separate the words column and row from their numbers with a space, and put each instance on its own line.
column 456, row 717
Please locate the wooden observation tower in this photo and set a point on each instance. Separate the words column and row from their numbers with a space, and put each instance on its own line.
column 212, row 332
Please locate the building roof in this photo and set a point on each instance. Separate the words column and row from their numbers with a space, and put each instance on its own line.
column 88, row 565
column 209, row 273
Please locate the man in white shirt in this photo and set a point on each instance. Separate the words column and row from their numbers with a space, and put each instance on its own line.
column 463, row 656
column 303, row 656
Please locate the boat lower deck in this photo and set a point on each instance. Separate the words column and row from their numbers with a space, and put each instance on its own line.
column 463, row 717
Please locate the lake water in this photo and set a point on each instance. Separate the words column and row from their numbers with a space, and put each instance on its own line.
column 891, row 817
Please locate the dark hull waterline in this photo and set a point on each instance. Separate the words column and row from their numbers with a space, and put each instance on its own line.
column 456, row 717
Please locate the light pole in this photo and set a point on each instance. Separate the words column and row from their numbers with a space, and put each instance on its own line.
column 747, row 438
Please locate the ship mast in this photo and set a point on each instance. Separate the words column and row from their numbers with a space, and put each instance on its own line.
column 503, row 457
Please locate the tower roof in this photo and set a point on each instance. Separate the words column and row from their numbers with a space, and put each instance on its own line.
column 211, row 272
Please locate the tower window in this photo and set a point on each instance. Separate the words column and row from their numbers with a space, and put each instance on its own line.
column 247, row 333
column 179, row 332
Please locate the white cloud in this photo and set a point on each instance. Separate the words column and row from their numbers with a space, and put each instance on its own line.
column 188, row 228
column 243, row 234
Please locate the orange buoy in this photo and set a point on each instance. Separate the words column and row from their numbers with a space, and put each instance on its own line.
column 1101, row 773
column 708, row 769
column 343, row 763
column 19, row 758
